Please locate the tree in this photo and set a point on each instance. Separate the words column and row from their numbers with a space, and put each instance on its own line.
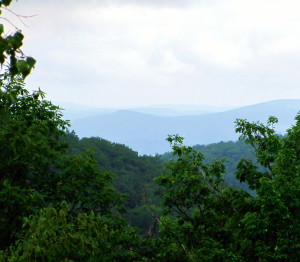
column 272, row 226
column 210, row 222
column 30, row 147
column 52, row 234
column 29, row 137
column 47, row 195
column 201, row 213
column 10, row 50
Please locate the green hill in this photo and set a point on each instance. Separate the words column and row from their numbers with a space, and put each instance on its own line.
column 134, row 174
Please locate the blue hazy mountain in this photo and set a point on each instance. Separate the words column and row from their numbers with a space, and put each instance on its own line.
column 180, row 110
column 73, row 111
column 146, row 133
column 76, row 111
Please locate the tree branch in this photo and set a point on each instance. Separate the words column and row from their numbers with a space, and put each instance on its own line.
column 20, row 17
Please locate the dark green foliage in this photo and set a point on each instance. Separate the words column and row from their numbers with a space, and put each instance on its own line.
column 209, row 222
column 84, row 186
column 53, row 235
column 199, row 227
column 37, row 175
column 30, row 134
column 273, row 226
column 231, row 152
column 15, row 202
column 30, row 146
column 134, row 175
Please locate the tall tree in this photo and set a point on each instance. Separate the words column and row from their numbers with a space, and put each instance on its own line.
column 271, row 228
column 209, row 222
column 50, row 201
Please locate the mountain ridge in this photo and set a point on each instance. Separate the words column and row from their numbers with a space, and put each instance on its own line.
column 146, row 133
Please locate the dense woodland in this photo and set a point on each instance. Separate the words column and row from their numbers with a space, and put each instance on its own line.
column 134, row 175
column 68, row 199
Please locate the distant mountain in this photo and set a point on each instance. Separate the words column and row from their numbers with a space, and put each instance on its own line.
column 146, row 133
column 180, row 110
column 76, row 111
column 73, row 111
column 75, row 114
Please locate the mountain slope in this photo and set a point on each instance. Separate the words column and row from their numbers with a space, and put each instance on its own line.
column 147, row 133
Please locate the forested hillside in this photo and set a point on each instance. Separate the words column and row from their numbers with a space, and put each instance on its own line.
column 134, row 175
column 231, row 152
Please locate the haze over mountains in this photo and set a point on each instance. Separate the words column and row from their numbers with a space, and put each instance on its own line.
column 145, row 129
column 75, row 111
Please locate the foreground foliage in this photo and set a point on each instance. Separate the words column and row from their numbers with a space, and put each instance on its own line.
column 53, row 235
column 208, row 221
column 37, row 175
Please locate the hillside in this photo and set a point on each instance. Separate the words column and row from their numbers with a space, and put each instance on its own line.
column 134, row 174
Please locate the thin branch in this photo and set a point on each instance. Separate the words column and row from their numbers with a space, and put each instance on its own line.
column 20, row 17
column 182, row 212
column 10, row 23
column 200, row 209
column 23, row 16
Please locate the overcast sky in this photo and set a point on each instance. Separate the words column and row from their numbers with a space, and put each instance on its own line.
column 126, row 53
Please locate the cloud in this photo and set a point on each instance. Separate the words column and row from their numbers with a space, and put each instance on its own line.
column 154, row 3
column 157, row 51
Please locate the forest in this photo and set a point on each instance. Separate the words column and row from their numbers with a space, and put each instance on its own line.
column 68, row 199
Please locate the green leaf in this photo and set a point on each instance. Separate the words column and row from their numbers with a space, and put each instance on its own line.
column 16, row 40
column 1, row 28
column 2, row 58
column 22, row 66
column 30, row 61
column 3, row 45
column 13, row 69
column 5, row 2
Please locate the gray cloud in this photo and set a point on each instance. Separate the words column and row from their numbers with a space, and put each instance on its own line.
column 147, row 3
column 145, row 53
column 155, row 3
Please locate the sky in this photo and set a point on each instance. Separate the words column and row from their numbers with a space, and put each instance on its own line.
column 129, row 53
